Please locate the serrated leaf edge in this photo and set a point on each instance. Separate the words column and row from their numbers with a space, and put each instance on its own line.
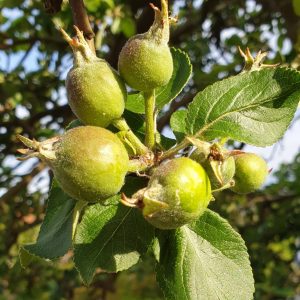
column 207, row 126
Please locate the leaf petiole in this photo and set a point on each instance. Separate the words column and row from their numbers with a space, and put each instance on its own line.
column 122, row 125
column 173, row 151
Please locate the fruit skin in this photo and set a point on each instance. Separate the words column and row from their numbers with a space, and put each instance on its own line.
column 251, row 172
column 177, row 193
column 90, row 163
column 96, row 93
column 225, row 168
column 146, row 62
column 145, row 65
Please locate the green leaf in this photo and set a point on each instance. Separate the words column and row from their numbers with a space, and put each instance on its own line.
column 55, row 236
column 128, row 27
column 11, row 3
column 253, row 107
column 296, row 7
column 95, row 5
column 73, row 124
column 205, row 260
column 26, row 258
column 111, row 238
column 163, row 142
column 182, row 70
column 27, row 237
column 116, row 26
column 177, row 123
column 135, row 103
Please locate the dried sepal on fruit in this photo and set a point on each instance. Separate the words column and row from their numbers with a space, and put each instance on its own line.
column 218, row 164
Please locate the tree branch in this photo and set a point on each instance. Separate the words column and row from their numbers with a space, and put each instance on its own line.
column 52, row 6
column 30, row 40
column 81, row 20
column 22, row 184
column 254, row 200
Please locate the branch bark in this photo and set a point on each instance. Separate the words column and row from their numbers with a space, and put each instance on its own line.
column 22, row 184
column 52, row 6
column 81, row 20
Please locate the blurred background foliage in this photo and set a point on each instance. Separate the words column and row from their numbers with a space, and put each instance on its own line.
column 34, row 60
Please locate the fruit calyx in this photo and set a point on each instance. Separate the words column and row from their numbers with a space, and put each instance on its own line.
column 81, row 49
column 159, row 32
column 217, row 162
column 44, row 150
column 254, row 63
column 135, row 201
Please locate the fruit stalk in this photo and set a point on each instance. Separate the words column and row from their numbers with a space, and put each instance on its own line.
column 138, row 165
column 81, row 20
column 150, row 120
column 122, row 125
column 173, row 151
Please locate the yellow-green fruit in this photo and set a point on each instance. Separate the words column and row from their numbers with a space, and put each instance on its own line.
column 145, row 61
column 178, row 193
column 251, row 172
column 145, row 65
column 90, row 163
column 96, row 93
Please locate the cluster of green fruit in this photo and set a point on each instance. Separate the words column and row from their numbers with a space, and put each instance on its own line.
column 90, row 162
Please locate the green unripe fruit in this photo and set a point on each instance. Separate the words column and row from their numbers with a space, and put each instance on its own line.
column 90, row 163
column 178, row 193
column 220, row 172
column 145, row 61
column 96, row 93
column 251, row 172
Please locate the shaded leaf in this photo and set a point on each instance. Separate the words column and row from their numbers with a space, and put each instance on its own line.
column 177, row 123
column 205, row 260
column 55, row 236
column 111, row 238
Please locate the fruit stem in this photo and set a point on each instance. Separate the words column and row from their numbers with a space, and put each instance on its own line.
column 224, row 187
column 76, row 213
column 173, row 151
column 122, row 125
column 150, row 119
column 138, row 165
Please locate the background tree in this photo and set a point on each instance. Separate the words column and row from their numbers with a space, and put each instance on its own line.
column 34, row 60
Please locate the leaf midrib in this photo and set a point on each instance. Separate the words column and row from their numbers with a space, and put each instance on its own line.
column 108, row 240
column 188, row 235
column 207, row 126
